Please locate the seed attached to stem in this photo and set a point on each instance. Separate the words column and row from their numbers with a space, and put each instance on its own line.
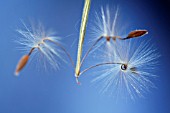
column 36, row 39
column 137, row 33
column 23, row 61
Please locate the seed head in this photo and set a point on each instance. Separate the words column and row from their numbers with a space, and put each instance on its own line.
column 133, row 77
column 41, row 46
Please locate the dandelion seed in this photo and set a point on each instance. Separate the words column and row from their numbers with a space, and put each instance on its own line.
column 23, row 61
column 136, row 33
column 41, row 44
column 133, row 76
column 105, row 25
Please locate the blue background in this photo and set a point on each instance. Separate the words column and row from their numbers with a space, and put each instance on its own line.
column 56, row 91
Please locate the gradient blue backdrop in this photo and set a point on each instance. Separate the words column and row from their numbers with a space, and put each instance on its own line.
column 56, row 91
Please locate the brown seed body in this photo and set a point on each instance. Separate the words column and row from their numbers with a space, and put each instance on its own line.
column 137, row 33
column 23, row 61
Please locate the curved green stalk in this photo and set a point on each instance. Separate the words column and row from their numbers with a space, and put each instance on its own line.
column 82, row 35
